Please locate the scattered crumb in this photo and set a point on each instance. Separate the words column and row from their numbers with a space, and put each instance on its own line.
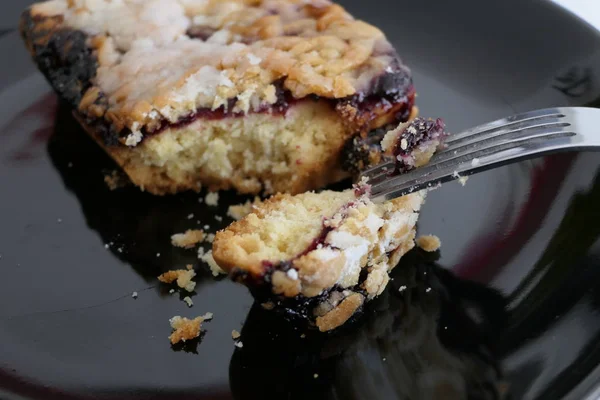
column 218, row 218
column 171, row 291
column 315, row 376
column 106, row 246
column 115, row 180
column 212, row 199
column 239, row 345
column 402, row 288
column 200, row 252
column 463, row 180
column 214, row 267
column 235, row 334
column 185, row 329
column 188, row 239
column 302, row 336
column 475, row 162
column 188, row 301
column 268, row 305
column 206, row 227
column 182, row 276
column 190, row 216
column 292, row 274
column 239, row 211
column 208, row 316
column 429, row 243
column 134, row 295
column 210, row 237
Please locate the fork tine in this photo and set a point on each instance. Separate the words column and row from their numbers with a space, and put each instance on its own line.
column 501, row 142
column 482, row 133
column 506, row 122
column 485, row 143
column 462, row 163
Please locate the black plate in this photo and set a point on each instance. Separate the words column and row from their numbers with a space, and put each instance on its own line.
column 510, row 305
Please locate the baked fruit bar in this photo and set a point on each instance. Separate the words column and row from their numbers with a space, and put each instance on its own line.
column 320, row 256
column 255, row 95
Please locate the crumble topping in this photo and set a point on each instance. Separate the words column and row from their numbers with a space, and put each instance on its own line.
column 212, row 199
column 115, row 180
column 429, row 243
column 164, row 59
column 239, row 211
column 188, row 239
column 188, row 300
column 185, row 329
column 183, row 278
column 214, row 267
column 235, row 334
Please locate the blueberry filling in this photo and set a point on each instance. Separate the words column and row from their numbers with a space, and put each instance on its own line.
column 418, row 132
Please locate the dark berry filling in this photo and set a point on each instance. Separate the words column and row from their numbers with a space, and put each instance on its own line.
column 299, row 306
column 418, row 132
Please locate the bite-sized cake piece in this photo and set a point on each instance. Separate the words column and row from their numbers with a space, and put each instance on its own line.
column 255, row 95
column 319, row 255
column 413, row 143
column 409, row 144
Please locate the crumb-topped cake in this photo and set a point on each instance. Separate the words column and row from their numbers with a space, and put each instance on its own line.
column 319, row 254
column 322, row 255
column 255, row 95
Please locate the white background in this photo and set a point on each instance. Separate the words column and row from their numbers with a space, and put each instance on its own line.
column 589, row 10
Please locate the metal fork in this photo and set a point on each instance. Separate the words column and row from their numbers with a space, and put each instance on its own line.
column 491, row 145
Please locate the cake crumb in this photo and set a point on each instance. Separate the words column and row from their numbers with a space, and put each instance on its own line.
column 463, row 180
column 212, row 199
column 115, row 180
column 171, row 291
column 208, row 316
column 182, row 276
column 218, row 218
column 235, row 334
column 268, row 305
column 210, row 237
column 188, row 239
column 190, row 216
column 188, row 301
column 214, row 267
column 184, row 328
column 302, row 336
column 315, row 376
column 134, row 295
column 239, row 345
column 429, row 243
column 239, row 211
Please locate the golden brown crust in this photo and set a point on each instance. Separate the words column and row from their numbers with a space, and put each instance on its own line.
column 429, row 243
column 340, row 314
column 185, row 329
column 313, row 47
column 188, row 239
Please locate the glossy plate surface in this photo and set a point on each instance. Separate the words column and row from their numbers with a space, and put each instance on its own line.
column 510, row 306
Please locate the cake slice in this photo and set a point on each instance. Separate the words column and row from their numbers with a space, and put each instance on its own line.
column 254, row 95
column 320, row 256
